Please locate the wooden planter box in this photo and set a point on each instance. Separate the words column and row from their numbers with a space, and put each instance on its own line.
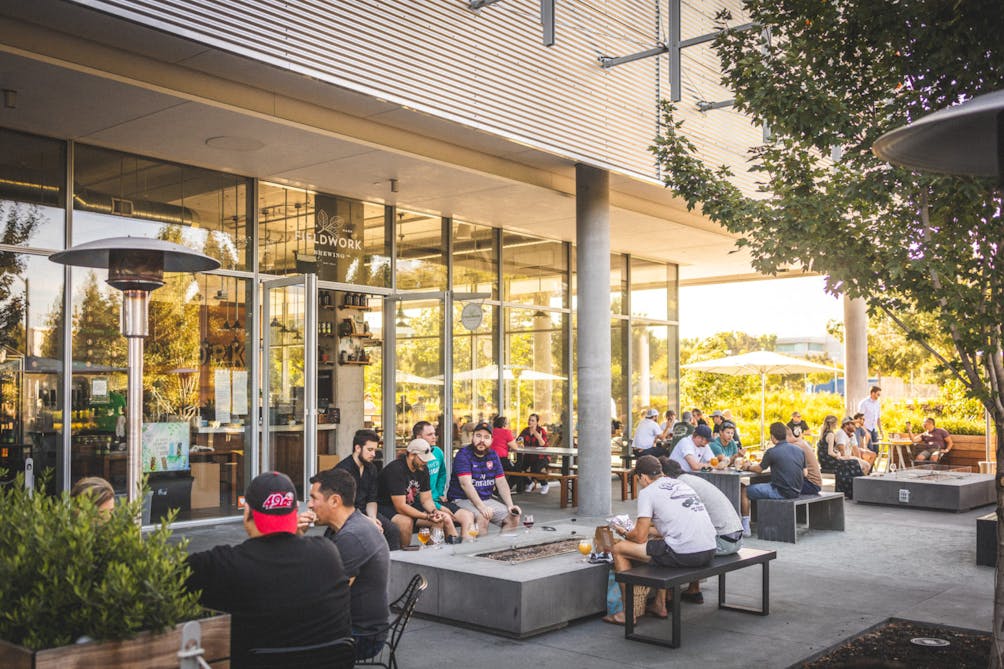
column 144, row 651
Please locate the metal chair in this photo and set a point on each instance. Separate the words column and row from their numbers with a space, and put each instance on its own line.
column 405, row 606
column 337, row 654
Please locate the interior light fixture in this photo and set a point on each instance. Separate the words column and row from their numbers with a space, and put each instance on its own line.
column 401, row 322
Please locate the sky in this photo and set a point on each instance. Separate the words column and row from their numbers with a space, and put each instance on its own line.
column 785, row 307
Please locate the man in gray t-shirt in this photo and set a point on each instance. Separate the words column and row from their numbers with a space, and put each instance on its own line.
column 364, row 553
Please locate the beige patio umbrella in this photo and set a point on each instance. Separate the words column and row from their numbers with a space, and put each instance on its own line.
column 761, row 363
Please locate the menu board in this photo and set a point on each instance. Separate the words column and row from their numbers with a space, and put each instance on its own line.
column 165, row 447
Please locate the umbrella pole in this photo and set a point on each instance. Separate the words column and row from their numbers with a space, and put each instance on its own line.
column 763, row 404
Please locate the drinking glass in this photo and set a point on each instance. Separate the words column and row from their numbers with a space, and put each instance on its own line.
column 892, row 467
column 585, row 547
column 472, row 532
column 424, row 535
column 528, row 522
column 437, row 537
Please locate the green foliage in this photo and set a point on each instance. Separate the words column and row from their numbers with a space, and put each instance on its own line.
column 68, row 571
column 840, row 74
column 20, row 223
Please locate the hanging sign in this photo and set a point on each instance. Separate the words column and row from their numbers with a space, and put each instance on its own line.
column 471, row 316
column 338, row 239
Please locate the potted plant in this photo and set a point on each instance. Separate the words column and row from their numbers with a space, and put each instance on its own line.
column 81, row 587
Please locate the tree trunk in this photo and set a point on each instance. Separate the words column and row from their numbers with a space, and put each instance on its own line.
column 997, row 656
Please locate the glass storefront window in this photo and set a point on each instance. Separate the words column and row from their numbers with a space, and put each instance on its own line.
column 650, row 369
column 339, row 239
column 32, row 190
column 535, row 378
column 618, row 284
column 31, row 369
column 475, row 259
column 475, row 372
column 421, row 261
column 534, row 271
column 118, row 194
column 196, row 409
column 618, row 370
column 418, row 377
column 650, row 289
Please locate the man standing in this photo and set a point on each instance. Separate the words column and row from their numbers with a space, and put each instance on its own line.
column 364, row 473
column 403, row 494
column 363, row 551
column 871, row 408
column 693, row 452
column 687, row 534
column 787, row 473
column 281, row 589
column 477, row 473
column 647, row 431
column 797, row 426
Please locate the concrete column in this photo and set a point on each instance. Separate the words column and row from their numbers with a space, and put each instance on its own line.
column 542, row 362
column 592, row 234
column 855, row 353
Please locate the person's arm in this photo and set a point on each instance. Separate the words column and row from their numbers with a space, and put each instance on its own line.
column 402, row 507
column 425, row 498
column 502, row 486
column 640, row 533
column 948, row 443
column 831, row 441
column 371, row 513
column 694, row 463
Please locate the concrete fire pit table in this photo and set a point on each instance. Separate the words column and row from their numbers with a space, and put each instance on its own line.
column 928, row 487
column 504, row 597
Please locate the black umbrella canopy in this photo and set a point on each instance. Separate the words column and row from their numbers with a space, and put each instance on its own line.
column 135, row 262
column 964, row 139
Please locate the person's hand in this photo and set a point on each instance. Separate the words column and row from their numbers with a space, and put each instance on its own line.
column 486, row 512
column 436, row 516
column 305, row 521
column 618, row 529
column 376, row 521
column 515, row 510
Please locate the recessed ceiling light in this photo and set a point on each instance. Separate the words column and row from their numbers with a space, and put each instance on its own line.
column 233, row 143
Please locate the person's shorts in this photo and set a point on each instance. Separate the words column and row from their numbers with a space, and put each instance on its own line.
column 664, row 556
column 763, row 491
column 725, row 544
column 928, row 452
column 389, row 511
column 499, row 510
column 450, row 506
column 809, row 488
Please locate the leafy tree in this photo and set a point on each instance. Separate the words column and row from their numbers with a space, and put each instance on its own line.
column 830, row 78
column 20, row 223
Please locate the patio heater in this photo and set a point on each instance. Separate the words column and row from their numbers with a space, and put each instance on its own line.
column 135, row 266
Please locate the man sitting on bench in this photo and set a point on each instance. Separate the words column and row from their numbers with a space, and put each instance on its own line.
column 685, row 536
column 477, row 473
column 787, row 473
column 937, row 442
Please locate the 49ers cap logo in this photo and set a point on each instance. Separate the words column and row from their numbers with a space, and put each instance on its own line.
column 278, row 500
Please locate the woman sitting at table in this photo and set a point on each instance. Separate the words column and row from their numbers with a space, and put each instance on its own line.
column 725, row 447
column 533, row 436
column 502, row 441
column 832, row 458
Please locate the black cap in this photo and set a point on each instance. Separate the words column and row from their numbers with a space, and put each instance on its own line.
column 703, row 431
column 272, row 498
column 648, row 465
column 482, row 426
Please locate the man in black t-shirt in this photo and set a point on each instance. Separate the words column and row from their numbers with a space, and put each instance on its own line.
column 405, row 495
column 364, row 472
column 798, row 427
column 282, row 590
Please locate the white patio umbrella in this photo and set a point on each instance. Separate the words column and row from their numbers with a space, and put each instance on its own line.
column 405, row 377
column 491, row 372
column 761, row 363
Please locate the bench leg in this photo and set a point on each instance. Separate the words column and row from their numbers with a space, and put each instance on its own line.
column 629, row 620
column 563, row 485
column 624, row 485
column 828, row 515
column 776, row 521
column 764, row 594
column 575, row 492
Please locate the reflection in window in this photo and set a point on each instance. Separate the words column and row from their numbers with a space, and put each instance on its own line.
column 535, row 377
column 618, row 369
column 339, row 239
column 650, row 289
column 618, row 284
column 418, row 379
column 421, row 262
column 142, row 197
column 32, row 190
column 475, row 259
column 534, row 271
column 650, row 368
column 30, row 366
column 475, row 371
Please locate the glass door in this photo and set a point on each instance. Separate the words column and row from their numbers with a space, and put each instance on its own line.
column 289, row 386
column 418, row 324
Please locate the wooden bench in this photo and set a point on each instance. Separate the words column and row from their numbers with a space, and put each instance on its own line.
column 675, row 577
column 623, row 474
column 566, row 482
column 777, row 519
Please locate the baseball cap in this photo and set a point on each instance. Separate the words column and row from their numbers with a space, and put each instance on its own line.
column 846, row 420
column 648, row 465
column 702, row 431
column 422, row 447
column 272, row 499
column 686, row 417
column 651, row 413
column 482, row 427
column 715, row 413
column 727, row 424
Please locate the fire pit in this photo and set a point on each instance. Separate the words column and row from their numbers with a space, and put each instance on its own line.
column 928, row 487
column 516, row 555
column 536, row 581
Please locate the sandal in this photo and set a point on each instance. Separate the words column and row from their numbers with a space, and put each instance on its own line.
column 650, row 610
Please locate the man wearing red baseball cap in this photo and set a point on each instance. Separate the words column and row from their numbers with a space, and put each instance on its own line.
column 282, row 590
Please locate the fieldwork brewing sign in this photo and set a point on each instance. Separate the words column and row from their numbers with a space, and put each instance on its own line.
column 338, row 239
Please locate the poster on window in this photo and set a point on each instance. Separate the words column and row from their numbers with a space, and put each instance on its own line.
column 165, row 447
column 221, row 387
column 239, row 392
column 338, row 239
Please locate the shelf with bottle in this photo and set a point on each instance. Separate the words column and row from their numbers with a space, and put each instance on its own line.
column 355, row 302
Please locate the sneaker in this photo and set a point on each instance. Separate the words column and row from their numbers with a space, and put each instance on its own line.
column 531, row 486
column 544, row 488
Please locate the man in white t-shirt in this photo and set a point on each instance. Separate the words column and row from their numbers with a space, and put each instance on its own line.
column 693, row 452
column 687, row 533
column 872, row 408
column 647, row 431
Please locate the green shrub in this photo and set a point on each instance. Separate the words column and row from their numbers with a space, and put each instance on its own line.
column 67, row 571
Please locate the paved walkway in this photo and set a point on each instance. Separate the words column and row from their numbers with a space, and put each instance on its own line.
column 890, row 562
